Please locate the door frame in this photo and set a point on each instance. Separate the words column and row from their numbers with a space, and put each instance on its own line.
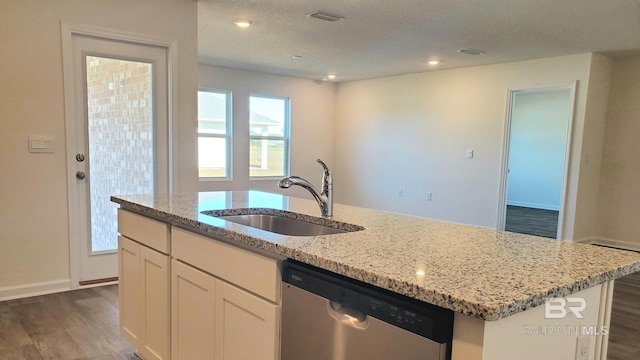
column 68, row 31
column 506, row 143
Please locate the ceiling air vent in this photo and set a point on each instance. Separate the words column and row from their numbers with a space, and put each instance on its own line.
column 471, row 51
column 321, row 15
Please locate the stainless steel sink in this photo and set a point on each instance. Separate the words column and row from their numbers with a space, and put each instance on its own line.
column 283, row 223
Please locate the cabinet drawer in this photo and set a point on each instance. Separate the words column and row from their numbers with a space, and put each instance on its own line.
column 152, row 233
column 256, row 273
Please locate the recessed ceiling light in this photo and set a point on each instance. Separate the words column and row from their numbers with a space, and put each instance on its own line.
column 434, row 62
column 331, row 76
column 242, row 23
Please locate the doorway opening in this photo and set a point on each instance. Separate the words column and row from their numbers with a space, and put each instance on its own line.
column 534, row 178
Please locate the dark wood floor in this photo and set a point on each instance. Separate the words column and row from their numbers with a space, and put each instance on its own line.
column 624, row 338
column 83, row 325
column 532, row 221
column 74, row 325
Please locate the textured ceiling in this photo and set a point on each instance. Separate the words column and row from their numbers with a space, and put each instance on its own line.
column 388, row 37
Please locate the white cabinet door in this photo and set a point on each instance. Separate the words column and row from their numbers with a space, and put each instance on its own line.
column 144, row 298
column 154, row 273
column 192, row 313
column 247, row 327
column 129, row 290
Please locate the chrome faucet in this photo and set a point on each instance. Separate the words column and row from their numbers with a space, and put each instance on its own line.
column 324, row 198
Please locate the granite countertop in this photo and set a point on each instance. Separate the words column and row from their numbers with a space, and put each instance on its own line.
column 480, row 272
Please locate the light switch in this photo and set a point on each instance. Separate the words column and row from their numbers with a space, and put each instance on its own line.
column 41, row 144
column 470, row 154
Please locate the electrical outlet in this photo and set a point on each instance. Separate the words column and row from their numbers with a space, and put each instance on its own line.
column 400, row 193
column 582, row 347
column 429, row 196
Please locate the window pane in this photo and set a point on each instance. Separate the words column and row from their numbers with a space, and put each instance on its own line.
column 212, row 112
column 267, row 116
column 120, row 129
column 212, row 157
column 266, row 158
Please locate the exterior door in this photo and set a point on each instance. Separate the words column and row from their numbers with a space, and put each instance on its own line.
column 117, row 133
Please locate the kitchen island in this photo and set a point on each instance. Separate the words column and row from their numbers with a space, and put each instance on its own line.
column 494, row 281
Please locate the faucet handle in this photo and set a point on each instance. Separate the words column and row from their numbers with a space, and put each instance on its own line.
column 326, row 169
column 327, row 178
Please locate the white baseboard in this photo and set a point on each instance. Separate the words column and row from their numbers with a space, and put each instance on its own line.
column 619, row 244
column 533, row 205
column 34, row 289
column 584, row 241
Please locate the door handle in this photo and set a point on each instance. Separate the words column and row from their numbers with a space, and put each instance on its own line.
column 80, row 175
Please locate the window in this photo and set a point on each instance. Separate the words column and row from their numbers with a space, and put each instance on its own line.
column 268, row 136
column 214, row 134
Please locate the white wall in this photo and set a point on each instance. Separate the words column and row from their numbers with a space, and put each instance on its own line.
column 411, row 132
column 618, row 207
column 592, row 147
column 34, row 234
column 537, row 152
column 312, row 124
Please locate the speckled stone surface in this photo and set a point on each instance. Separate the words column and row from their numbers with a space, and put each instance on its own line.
column 480, row 272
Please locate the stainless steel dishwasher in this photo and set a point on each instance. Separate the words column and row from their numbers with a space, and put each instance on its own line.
column 326, row 316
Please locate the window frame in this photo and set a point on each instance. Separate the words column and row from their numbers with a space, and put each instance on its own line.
column 228, row 135
column 286, row 137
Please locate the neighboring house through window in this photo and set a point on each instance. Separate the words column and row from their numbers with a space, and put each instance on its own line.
column 269, row 122
column 214, row 134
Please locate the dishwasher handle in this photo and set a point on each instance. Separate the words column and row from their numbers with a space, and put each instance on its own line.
column 347, row 316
